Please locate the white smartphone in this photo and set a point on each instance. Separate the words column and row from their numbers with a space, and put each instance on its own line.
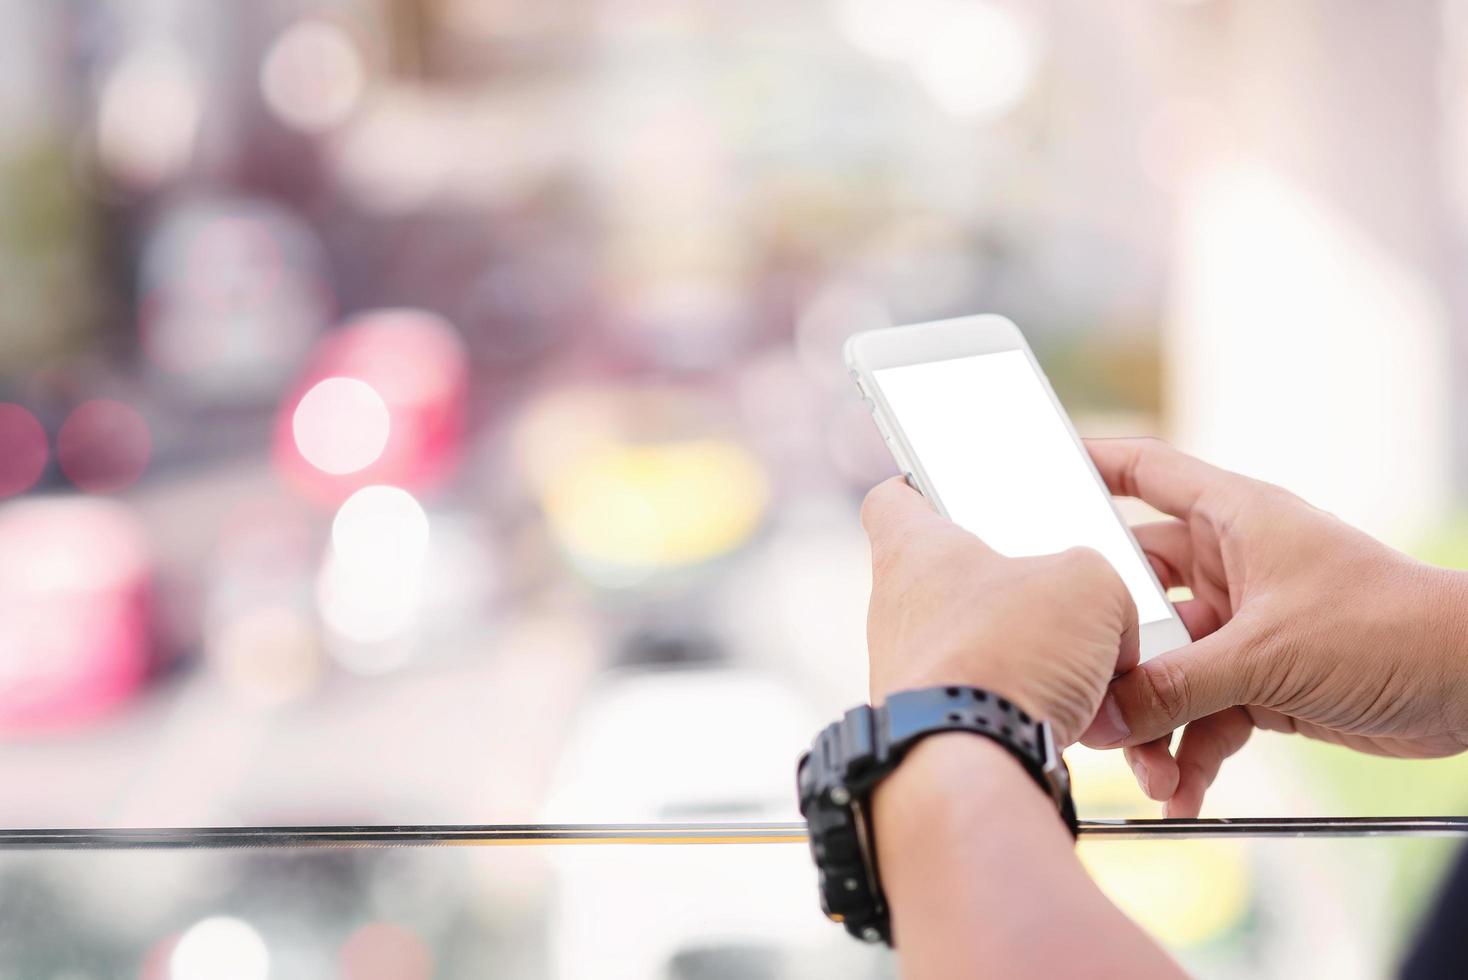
column 973, row 422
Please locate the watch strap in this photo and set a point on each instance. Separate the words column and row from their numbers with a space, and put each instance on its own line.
column 851, row 756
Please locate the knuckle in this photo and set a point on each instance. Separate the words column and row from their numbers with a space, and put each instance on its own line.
column 1154, row 443
column 1081, row 558
column 1165, row 685
column 1146, row 447
column 1267, row 657
column 1089, row 567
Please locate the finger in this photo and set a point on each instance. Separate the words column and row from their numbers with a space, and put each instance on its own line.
column 1269, row 720
column 1129, row 651
column 1205, row 744
column 1154, row 767
column 1173, row 689
column 1169, row 546
column 1199, row 617
column 1152, row 470
column 893, row 510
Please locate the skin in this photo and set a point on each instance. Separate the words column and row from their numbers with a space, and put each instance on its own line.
column 1048, row 633
column 1300, row 623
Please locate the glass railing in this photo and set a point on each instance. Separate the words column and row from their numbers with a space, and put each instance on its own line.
column 1227, row 908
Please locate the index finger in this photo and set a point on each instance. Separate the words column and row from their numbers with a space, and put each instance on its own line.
column 1153, row 471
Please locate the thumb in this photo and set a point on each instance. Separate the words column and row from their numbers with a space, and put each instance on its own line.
column 893, row 510
column 1168, row 691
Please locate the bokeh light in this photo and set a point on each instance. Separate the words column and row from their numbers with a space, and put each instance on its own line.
column 75, row 610
column 220, row 948
column 629, row 510
column 384, row 951
column 371, row 584
column 978, row 61
column 416, row 364
column 975, row 58
column 1142, row 878
column 23, row 450
column 381, row 525
column 104, row 446
column 341, row 425
column 313, row 76
column 155, row 83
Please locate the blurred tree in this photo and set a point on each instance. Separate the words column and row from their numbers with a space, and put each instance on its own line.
column 47, row 269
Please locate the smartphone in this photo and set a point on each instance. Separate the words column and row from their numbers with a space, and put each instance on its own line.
column 973, row 422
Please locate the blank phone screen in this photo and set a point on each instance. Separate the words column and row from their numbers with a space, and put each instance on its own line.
column 1004, row 464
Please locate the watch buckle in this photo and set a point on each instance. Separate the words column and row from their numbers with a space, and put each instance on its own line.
column 1057, row 777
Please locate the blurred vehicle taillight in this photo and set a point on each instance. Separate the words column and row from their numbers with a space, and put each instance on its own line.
column 75, row 610
column 383, row 402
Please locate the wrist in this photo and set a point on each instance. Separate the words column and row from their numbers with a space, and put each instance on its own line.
column 947, row 788
column 966, row 668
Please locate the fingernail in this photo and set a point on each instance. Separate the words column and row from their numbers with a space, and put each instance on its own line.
column 1108, row 728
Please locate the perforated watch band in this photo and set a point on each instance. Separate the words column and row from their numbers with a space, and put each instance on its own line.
column 850, row 757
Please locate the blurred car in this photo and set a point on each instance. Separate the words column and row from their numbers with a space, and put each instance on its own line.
column 688, row 743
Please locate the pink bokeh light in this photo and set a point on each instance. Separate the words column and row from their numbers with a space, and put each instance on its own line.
column 75, row 610
column 104, row 446
column 23, row 450
column 384, row 951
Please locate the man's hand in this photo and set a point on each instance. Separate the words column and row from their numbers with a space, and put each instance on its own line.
column 1301, row 624
column 1048, row 633
column 961, row 828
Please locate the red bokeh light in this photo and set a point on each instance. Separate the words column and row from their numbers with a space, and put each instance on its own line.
column 104, row 446
column 22, row 450
column 416, row 363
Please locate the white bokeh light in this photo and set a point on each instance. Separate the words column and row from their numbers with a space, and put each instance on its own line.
column 341, row 426
column 979, row 63
column 371, row 586
column 381, row 524
column 313, row 76
column 975, row 59
column 148, row 116
column 220, row 948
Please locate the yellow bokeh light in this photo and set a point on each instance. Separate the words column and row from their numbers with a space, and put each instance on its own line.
column 639, row 508
column 1184, row 894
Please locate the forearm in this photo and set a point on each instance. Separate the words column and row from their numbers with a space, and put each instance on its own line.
column 982, row 878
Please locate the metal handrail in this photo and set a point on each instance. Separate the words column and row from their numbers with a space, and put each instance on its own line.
column 489, row 835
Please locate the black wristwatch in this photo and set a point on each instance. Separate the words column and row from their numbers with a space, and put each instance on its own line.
column 850, row 757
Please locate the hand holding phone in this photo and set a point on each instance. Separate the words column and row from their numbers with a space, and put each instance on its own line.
column 972, row 420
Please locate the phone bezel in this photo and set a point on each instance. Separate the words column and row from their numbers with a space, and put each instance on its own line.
column 941, row 340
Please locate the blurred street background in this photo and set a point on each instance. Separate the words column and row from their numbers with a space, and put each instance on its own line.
column 432, row 411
